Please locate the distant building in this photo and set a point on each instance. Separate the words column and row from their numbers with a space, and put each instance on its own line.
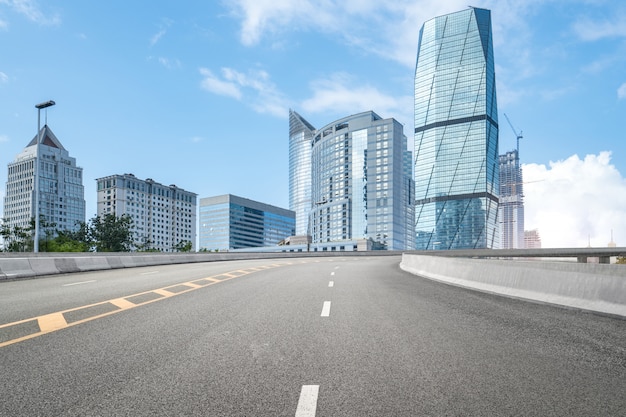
column 300, row 137
column 456, row 133
column 361, row 186
column 511, row 210
column 612, row 243
column 230, row 222
column 61, row 192
column 163, row 216
column 532, row 240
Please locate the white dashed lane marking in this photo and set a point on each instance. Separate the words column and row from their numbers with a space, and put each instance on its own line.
column 326, row 309
column 79, row 283
column 307, row 405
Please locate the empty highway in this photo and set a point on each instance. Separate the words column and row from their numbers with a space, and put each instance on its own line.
column 343, row 336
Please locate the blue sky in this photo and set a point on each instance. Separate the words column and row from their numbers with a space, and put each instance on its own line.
column 197, row 93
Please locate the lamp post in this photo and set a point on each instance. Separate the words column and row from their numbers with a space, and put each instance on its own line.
column 36, row 179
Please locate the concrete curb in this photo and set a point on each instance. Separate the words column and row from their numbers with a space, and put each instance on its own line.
column 592, row 287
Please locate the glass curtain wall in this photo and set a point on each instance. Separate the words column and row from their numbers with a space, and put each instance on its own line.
column 300, row 135
column 456, row 134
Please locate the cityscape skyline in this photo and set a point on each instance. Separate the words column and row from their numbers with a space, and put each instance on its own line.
column 167, row 92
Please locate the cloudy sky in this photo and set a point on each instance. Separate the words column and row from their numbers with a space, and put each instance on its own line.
column 197, row 93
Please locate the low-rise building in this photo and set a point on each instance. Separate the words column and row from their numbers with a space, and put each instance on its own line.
column 230, row 222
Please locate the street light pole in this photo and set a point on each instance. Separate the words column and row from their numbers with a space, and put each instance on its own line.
column 36, row 172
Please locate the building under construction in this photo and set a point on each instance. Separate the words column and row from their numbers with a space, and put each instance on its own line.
column 511, row 202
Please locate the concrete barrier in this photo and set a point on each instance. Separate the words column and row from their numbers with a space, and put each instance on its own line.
column 40, row 264
column 594, row 287
column 16, row 268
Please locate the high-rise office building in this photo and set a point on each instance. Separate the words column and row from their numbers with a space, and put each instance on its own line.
column 532, row 239
column 300, row 135
column 163, row 216
column 231, row 222
column 361, row 185
column 511, row 202
column 456, row 133
column 61, row 192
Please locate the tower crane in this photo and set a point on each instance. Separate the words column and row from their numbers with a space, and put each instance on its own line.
column 518, row 136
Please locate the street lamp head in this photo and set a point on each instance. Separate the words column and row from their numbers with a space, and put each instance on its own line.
column 45, row 104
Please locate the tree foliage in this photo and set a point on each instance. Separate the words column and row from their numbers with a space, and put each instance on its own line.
column 110, row 233
column 17, row 238
column 107, row 233
column 183, row 246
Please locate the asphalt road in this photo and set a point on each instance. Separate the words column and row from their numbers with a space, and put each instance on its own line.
column 310, row 337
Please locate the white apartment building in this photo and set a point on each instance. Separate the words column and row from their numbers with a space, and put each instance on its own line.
column 163, row 216
column 61, row 191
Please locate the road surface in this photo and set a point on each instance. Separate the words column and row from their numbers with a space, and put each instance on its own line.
column 297, row 337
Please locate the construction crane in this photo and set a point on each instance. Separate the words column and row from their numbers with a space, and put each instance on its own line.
column 518, row 136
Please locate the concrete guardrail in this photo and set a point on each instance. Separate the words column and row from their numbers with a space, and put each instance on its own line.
column 28, row 265
column 593, row 287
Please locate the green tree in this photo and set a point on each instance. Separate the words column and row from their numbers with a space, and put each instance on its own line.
column 71, row 241
column 49, row 232
column 183, row 246
column 110, row 233
column 146, row 246
column 621, row 260
column 17, row 238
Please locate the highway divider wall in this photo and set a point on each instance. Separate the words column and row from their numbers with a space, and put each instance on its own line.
column 28, row 265
column 594, row 287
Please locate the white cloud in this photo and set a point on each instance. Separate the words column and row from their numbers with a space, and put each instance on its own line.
column 574, row 202
column 156, row 37
column 590, row 30
column 4, row 138
column 169, row 63
column 31, row 10
column 341, row 94
column 621, row 91
column 3, row 77
column 165, row 24
column 3, row 25
column 217, row 86
column 261, row 16
column 396, row 37
column 255, row 86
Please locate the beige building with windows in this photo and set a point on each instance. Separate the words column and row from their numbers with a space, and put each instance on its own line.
column 164, row 217
column 60, row 193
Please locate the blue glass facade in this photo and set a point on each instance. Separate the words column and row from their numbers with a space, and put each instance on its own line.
column 361, row 184
column 456, row 134
column 300, row 135
column 231, row 222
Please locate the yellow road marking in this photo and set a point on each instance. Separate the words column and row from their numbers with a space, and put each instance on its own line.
column 56, row 321
column 122, row 303
column 52, row 322
column 203, row 282
column 164, row 293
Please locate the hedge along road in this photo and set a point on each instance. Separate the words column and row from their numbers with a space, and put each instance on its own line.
column 306, row 337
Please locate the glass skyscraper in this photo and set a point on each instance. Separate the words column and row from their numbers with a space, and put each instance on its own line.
column 300, row 135
column 456, row 134
column 361, row 186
